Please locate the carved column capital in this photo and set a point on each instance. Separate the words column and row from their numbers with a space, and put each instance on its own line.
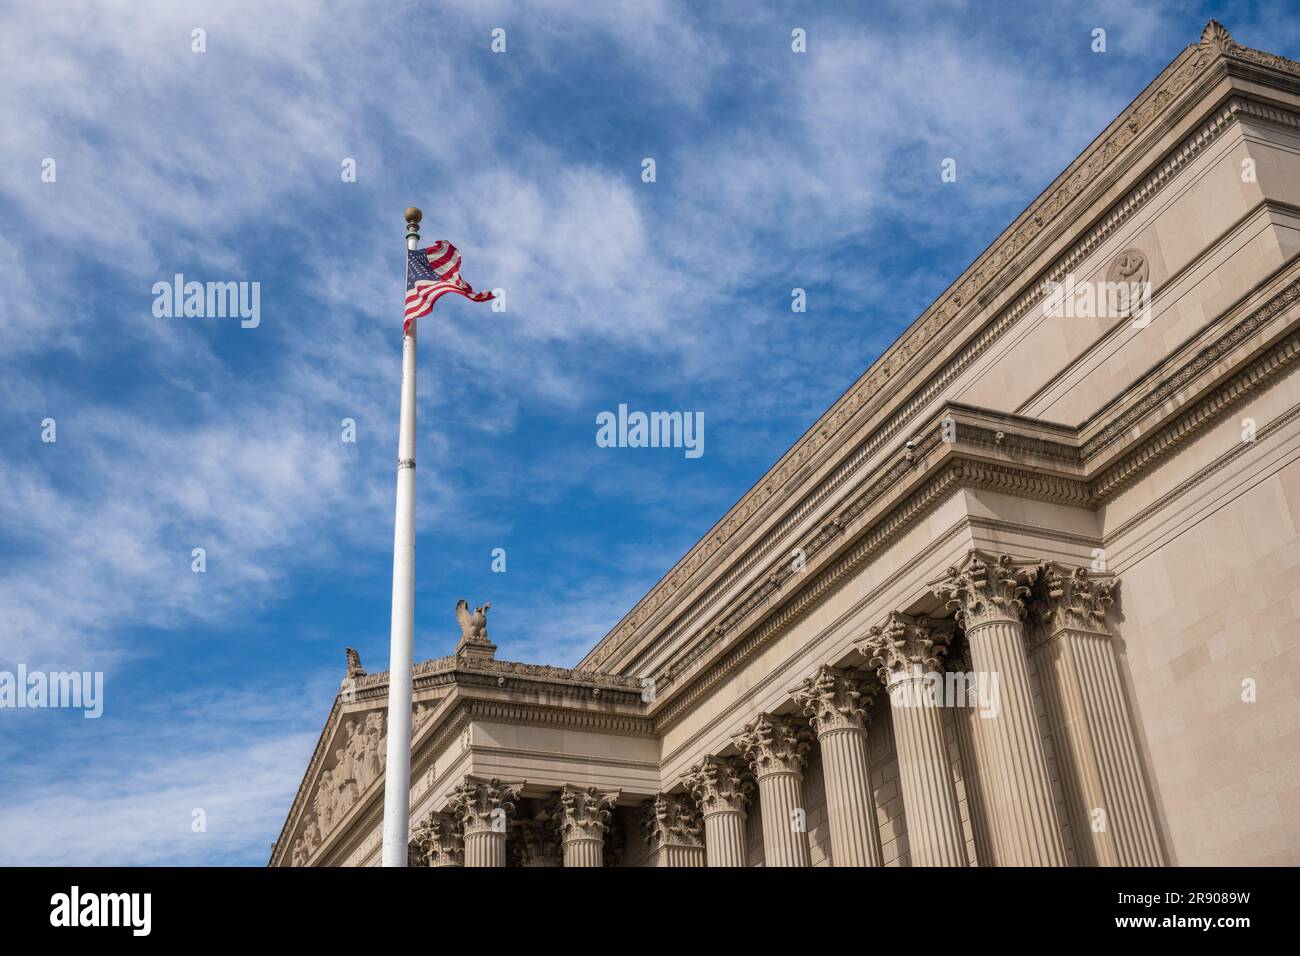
column 484, row 806
column 836, row 699
column 533, row 843
column 720, row 783
column 1070, row 598
column 774, row 745
column 904, row 646
column 439, row 841
column 986, row 589
column 584, row 814
column 671, row 820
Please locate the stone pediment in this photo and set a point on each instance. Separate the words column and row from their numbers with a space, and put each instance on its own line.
column 347, row 768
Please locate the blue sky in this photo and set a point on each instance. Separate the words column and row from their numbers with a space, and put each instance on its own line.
column 775, row 170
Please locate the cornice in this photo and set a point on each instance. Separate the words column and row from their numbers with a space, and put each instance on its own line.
column 759, row 504
column 937, row 469
column 468, row 675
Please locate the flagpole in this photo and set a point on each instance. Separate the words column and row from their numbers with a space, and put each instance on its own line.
column 397, row 778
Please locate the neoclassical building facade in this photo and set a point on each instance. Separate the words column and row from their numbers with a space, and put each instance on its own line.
column 1028, row 593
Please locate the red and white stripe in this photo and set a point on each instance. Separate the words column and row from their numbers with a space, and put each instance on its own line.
column 444, row 260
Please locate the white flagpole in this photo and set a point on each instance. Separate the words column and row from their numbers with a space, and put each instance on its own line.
column 397, row 778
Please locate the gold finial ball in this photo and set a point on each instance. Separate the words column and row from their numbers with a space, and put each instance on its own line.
column 414, row 215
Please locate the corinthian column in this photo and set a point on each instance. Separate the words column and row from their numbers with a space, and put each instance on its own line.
column 988, row 596
column 484, row 808
column 905, row 652
column 722, row 787
column 582, row 818
column 673, row 831
column 777, row 750
column 533, row 844
column 962, row 679
column 1110, row 814
column 836, row 702
column 440, row 842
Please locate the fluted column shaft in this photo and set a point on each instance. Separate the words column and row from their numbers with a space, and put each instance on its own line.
column 850, row 801
column 836, row 702
column 721, row 788
column 906, row 653
column 777, row 749
column 673, row 830
column 584, row 851
column 1110, row 813
column 724, row 838
column 973, row 761
column 674, row 854
column 988, row 594
column 780, row 801
column 934, row 834
column 484, row 809
column 485, row 848
column 1024, row 811
column 583, row 817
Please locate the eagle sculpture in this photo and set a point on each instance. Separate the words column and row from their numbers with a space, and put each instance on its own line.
column 473, row 627
column 354, row 664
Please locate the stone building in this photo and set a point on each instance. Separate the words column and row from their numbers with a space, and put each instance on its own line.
column 1027, row 593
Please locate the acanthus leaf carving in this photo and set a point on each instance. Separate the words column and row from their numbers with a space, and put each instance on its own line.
column 905, row 646
column 1072, row 598
column 584, row 813
column 484, row 806
column 671, row 820
column 836, row 699
column 983, row 591
column 720, row 784
column 774, row 744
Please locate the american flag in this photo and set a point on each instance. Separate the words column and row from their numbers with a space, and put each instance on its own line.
column 430, row 274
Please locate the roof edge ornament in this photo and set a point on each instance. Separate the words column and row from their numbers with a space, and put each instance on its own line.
column 1216, row 35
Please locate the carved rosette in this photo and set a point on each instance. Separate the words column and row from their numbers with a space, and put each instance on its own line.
column 774, row 745
column 439, row 841
column 1070, row 598
column 835, row 699
column 984, row 591
column 584, row 814
column 905, row 646
column 533, row 843
column 484, row 806
column 720, row 784
column 671, row 820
